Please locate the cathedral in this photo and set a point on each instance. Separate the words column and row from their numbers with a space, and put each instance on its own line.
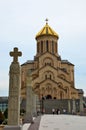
column 51, row 76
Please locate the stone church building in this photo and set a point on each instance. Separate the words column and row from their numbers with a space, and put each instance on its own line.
column 52, row 77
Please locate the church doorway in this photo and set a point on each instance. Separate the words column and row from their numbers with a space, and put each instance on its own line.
column 48, row 97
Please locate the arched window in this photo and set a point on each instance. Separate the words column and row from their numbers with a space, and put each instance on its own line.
column 45, row 76
column 48, row 61
column 61, row 96
column 50, row 76
column 41, row 46
column 52, row 47
column 38, row 47
column 47, row 46
column 48, row 97
column 55, row 47
column 62, row 76
column 54, row 98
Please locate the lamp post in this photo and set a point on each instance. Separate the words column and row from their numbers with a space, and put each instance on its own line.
column 42, row 104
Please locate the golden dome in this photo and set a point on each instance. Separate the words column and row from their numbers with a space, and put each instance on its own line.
column 47, row 30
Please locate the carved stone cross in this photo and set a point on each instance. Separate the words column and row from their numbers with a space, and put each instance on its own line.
column 15, row 54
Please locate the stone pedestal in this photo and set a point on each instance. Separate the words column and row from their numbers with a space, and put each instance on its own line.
column 81, row 105
column 34, row 112
column 12, row 128
column 28, row 117
column 14, row 95
column 14, row 92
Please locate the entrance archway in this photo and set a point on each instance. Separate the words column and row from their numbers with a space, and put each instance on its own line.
column 48, row 97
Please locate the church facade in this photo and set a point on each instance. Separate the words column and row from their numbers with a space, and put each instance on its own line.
column 51, row 77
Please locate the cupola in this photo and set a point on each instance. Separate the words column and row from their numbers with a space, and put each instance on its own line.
column 47, row 40
column 46, row 31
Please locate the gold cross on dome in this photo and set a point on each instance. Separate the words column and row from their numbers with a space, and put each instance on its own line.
column 15, row 54
column 46, row 20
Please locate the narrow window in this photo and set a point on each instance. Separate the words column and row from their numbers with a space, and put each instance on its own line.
column 52, row 47
column 47, row 45
column 60, row 95
column 56, row 47
column 41, row 46
column 38, row 47
column 45, row 76
column 50, row 76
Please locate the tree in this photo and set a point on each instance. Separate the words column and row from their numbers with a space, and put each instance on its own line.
column 22, row 111
column 6, row 113
column 1, row 117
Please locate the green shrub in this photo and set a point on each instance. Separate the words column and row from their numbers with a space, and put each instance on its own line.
column 1, row 117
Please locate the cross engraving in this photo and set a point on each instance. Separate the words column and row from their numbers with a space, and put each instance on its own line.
column 15, row 54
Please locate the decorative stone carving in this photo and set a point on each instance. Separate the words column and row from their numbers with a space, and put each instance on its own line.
column 14, row 89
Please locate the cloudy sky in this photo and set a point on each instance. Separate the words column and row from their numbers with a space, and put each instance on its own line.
column 20, row 20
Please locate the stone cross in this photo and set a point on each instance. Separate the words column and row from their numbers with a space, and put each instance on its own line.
column 15, row 54
column 46, row 21
column 14, row 89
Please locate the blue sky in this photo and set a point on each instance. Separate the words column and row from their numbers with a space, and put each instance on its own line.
column 20, row 20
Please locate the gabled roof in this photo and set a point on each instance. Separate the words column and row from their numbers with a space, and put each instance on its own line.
column 28, row 62
column 80, row 91
column 66, row 62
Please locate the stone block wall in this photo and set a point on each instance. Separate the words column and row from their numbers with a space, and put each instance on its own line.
column 66, row 104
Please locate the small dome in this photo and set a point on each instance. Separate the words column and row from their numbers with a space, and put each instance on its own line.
column 47, row 30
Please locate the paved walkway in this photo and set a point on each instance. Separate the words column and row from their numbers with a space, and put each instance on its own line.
column 35, row 125
column 62, row 122
column 58, row 122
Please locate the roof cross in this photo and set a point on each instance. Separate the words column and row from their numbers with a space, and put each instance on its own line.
column 46, row 20
column 15, row 54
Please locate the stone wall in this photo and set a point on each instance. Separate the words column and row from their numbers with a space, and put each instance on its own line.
column 66, row 104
